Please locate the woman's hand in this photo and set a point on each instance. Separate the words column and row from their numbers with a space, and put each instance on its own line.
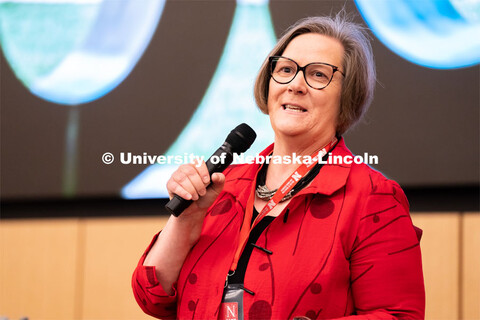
column 181, row 233
column 190, row 182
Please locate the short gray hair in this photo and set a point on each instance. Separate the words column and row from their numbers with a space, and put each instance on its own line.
column 357, row 64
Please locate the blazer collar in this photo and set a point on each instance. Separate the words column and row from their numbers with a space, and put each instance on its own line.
column 330, row 178
column 241, row 177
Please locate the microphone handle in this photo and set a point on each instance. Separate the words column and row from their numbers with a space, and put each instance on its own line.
column 217, row 162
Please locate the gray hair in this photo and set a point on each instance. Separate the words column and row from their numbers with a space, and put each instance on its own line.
column 358, row 65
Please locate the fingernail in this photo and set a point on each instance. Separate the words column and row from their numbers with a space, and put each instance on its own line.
column 206, row 179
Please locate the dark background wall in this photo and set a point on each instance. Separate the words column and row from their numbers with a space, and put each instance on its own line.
column 423, row 123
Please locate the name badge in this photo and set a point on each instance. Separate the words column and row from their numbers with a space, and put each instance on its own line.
column 232, row 303
column 229, row 311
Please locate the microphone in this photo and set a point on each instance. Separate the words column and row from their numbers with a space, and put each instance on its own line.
column 238, row 141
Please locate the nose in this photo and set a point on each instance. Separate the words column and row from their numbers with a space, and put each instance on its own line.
column 298, row 84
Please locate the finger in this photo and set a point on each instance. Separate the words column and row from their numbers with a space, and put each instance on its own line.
column 183, row 184
column 175, row 185
column 189, row 179
column 196, row 180
column 218, row 182
column 203, row 172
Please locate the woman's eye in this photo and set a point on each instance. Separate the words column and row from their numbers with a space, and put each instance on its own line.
column 286, row 70
column 319, row 74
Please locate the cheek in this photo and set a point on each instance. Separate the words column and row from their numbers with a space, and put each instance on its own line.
column 336, row 109
column 270, row 96
column 328, row 106
column 335, row 98
column 339, row 105
column 336, row 112
column 338, row 92
column 271, row 89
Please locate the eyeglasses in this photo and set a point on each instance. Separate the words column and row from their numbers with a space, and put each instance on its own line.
column 317, row 75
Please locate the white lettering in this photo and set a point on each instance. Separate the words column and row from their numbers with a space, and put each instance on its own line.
column 223, row 157
column 145, row 158
column 372, row 159
column 151, row 159
column 125, row 161
column 161, row 159
column 215, row 159
column 357, row 159
column 296, row 159
column 198, row 161
column 296, row 176
column 279, row 160
column 231, row 311
column 307, row 160
column 260, row 159
column 238, row 158
column 250, row 159
column 137, row 159
column 321, row 161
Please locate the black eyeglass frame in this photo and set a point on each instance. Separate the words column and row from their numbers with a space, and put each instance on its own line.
column 303, row 69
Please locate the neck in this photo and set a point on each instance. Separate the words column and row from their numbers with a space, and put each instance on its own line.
column 278, row 172
column 286, row 145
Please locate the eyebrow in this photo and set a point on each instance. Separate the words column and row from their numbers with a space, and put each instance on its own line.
column 322, row 62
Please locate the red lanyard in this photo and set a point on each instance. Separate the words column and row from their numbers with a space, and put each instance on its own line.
column 287, row 185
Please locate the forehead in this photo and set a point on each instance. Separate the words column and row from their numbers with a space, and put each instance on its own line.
column 314, row 47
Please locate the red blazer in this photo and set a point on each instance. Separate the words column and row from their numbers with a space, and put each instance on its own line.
column 345, row 245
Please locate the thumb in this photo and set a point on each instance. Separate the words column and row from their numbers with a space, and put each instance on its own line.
column 213, row 190
column 218, row 182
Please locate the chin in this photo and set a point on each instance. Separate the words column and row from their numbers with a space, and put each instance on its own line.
column 290, row 130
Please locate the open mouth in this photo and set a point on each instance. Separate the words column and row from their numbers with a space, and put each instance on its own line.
column 293, row 108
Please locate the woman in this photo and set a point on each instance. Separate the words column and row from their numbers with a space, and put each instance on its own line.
column 340, row 244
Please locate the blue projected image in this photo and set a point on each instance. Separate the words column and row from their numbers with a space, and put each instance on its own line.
column 75, row 51
column 229, row 97
column 441, row 34
column 72, row 52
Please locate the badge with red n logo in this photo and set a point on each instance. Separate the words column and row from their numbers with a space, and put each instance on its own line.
column 228, row 311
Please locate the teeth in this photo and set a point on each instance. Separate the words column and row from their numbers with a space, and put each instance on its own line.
column 293, row 108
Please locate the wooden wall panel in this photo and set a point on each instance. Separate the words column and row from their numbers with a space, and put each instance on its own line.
column 81, row 269
column 38, row 269
column 112, row 250
column 440, row 255
column 471, row 266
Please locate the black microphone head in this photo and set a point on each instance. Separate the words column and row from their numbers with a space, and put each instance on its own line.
column 241, row 138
